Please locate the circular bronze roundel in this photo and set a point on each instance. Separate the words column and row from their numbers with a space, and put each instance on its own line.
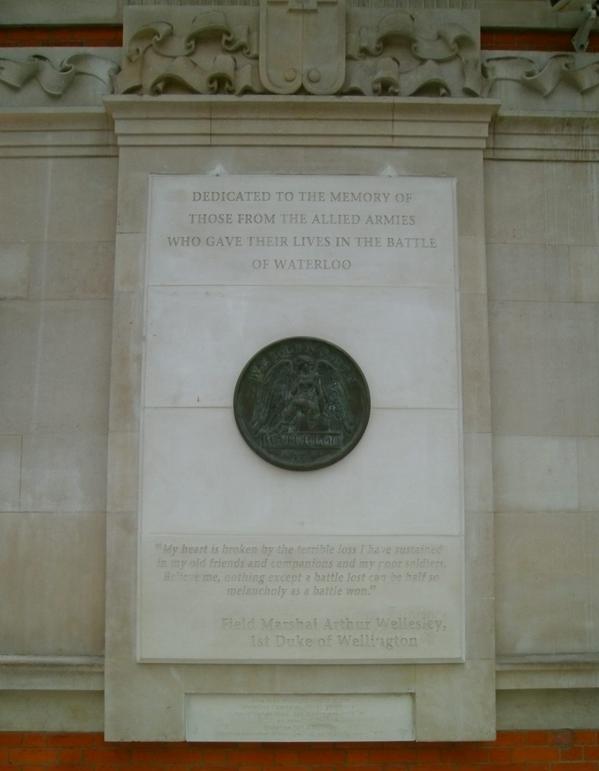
column 301, row 403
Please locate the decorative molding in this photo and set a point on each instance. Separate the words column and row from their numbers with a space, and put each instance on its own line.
column 538, row 136
column 415, row 122
column 320, row 47
column 56, row 132
column 566, row 671
column 542, row 74
column 303, row 47
column 54, row 79
column 52, row 673
column 402, row 56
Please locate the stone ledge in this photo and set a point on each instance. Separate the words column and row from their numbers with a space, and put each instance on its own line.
column 544, row 136
column 557, row 671
column 52, row 673
column 66, row 131
column 298, row 120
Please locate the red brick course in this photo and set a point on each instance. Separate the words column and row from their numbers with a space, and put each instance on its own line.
column 565, row 750
column 94, row 35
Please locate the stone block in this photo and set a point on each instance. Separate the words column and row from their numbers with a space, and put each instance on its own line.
column 129, row 267
column 72, row 365
column 535, row 473
column 545, row 583
column 547, row 709
column 540, row 203
column 588, row 474
column 72, row 270
column 473, row 264
column 56, row 369
column 584, row 267
column 543, row 272
column 64, row 472
column 58, row 711
column 19, row 324
column 14, row 270
column 478, row 472
column 23, row 203
column 480, row 585
column 545, row 368
column 10, row 472
column 52, row 568
column 475, row 363
column 86, row 186
column 122, row 471
column 126, row 361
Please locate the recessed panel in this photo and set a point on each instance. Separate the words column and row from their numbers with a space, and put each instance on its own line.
column 299, row 717
column 359, row 561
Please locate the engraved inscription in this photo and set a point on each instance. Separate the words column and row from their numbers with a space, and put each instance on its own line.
column 350, row 230
column 313, row 598
column 306, row 717
column 302, row 403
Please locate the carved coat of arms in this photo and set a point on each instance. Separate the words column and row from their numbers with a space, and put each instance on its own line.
column 302, row 43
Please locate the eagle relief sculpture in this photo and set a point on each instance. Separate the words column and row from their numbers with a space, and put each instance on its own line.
column 302, row 403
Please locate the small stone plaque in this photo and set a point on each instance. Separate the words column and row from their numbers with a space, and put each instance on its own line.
column 275, row 717
column 302, row 403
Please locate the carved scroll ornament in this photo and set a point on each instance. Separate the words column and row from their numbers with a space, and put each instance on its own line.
column 315, row 47
column 211, row 57
column 302, row 46
column 53, row 79
column 576, row 71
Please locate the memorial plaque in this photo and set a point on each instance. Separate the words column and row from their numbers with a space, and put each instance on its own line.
column 279, row 717
column 301, row 403
column 312, row 287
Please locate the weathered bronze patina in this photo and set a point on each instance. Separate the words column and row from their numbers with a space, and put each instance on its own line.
column 301, row 403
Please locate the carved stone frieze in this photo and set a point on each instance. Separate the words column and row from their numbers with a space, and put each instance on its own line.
column 403, row 55
column 543, row 74
column 53, row 79
column 206, row 54
column 303, row 46
column 314, row 47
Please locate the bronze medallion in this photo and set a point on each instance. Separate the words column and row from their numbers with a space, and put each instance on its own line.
column 301, row 403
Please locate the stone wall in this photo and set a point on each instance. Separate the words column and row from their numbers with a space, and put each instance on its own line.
column 57, row 239
column 542, row 232
column 56, row 273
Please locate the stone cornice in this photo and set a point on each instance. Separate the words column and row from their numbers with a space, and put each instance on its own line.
column 302, row 120
column 544, row 137
column 55, row 132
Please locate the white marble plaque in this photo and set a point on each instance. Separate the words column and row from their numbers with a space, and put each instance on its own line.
column 402, row 473
column 299, row 718
column 302, row 230
column 233, row 264
column 301, row 598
